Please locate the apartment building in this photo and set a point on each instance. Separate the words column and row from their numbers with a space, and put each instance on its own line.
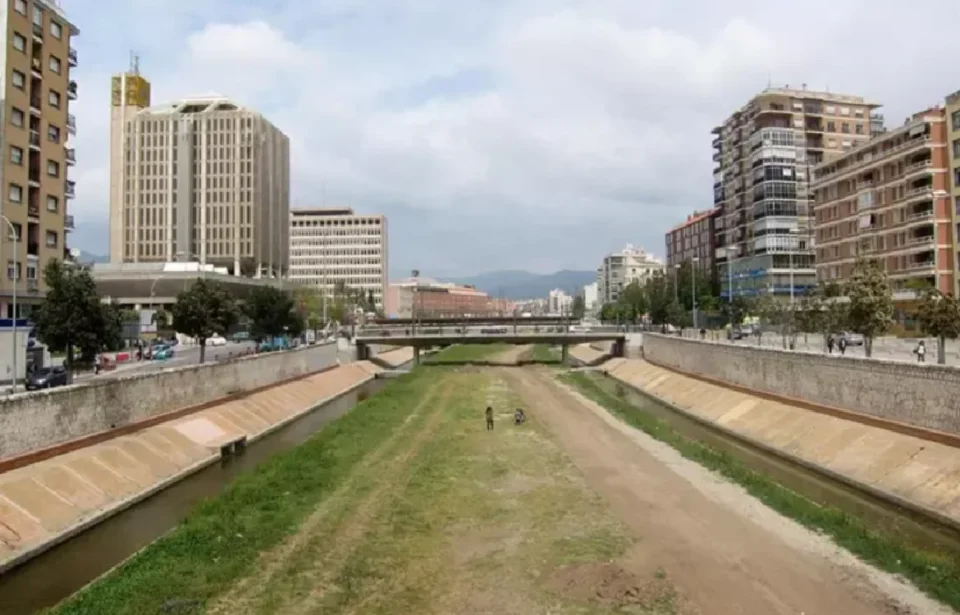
column 201, row 179
column 428, row 298
column 559, row 303
column 337, row 246
column 890, row 200
column 952, row 113
column 621, row 268
column 37, row 153
column 764, row 153
column 695, row 241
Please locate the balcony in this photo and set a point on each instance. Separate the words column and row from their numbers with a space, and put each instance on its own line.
column 33, row 285
column 68, row 224
column 69, row 188
column 923, row 214
column 35, row 105
column 71, row 124
column 33, row 210
column 72, row 90
column 38, row 31
column 36, row 67
column 33, row 248
column 921, row 166
column 71, row 155
column 33, row 176
column 34, row 139
column 72, row 57
column 917, row 191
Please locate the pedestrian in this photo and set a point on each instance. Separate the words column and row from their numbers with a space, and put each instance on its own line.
column 489, row 414
column 830, row 343
column 921, row 352
column 842, row 345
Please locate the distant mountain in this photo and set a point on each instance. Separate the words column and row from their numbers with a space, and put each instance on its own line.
column 526, row 285
column 86, row 257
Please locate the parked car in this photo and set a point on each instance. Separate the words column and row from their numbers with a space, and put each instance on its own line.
column 47, row 378
column 853, row 339
column 162, row 352
column 217, row 340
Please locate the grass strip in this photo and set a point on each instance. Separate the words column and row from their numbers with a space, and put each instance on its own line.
column 459, row 353
column 544, row 353
column 936, row 574
column 221, row 540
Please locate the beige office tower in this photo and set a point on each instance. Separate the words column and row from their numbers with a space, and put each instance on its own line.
column 206, row 180
column 129, row 94
column 37, row 90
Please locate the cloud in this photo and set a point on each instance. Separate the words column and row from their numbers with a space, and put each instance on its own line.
column 502, row 134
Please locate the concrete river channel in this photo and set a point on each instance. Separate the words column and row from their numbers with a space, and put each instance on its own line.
column 65, row 569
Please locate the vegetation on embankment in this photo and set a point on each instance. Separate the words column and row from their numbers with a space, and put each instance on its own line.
column 544, row 353
column 936, row 574
column 462, row 353
column 221, row 540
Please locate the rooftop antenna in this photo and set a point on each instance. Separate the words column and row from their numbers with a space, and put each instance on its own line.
column 134, row 63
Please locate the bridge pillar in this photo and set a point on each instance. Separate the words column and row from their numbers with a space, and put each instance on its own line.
column 363, row 352
column 416, row 355
column 618, row 347
column 564, row 353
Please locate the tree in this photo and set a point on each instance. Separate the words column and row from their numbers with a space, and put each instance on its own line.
column 870, row 310
column 204, row 310
column 633, row 301
column 112, row 326
column 939, row 317
column 660, row 301
column 578, row 307
column 72, row 316
column 272, row 313
column 733, row 312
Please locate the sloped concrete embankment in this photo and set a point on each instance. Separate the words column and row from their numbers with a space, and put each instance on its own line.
column 394, row 358
column 49, row 501
column 901, row 468
column 589, row 354
column 46, row 420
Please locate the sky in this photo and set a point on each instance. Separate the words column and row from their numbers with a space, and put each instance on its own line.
column 499, row 134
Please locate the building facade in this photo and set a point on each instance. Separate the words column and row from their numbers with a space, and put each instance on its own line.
column 35, row 136
column 890, row 200
column 590, row 298
column 952, row 114
column 764, row 153
column 621, row 268
column 559, row 302
column 695, row 241
column 427, row 298
column 202, row 179
column 332, row 248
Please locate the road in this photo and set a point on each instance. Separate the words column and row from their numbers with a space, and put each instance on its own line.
column 184, row 356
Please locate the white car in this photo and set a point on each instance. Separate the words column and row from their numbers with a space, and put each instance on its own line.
column 217, row 340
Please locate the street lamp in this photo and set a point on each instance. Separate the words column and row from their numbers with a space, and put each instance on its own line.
column 16, row 278
column 693, row 288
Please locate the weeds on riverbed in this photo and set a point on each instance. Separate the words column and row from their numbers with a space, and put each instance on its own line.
column 545, row 353
column 222, row 539
column 461, row 353
column 935, row 574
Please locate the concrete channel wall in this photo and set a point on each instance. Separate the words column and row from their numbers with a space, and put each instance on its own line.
column 31, row 421
column 923, row 396
column 47, row 502
column 907, row 470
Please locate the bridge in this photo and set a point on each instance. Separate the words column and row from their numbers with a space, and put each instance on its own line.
column 419, row 341
column 473, row 321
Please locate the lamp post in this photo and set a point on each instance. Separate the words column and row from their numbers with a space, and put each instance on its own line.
column 693, row 288
column 16, row 278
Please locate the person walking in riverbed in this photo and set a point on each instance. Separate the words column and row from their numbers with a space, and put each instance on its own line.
column 489, row 414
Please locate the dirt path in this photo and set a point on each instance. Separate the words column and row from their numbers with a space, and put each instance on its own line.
column 725, row 552
column 512, row 355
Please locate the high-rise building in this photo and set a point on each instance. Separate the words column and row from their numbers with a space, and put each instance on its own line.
column 37, row 90
column 129, row 94
column 621, row 268
column 590, row 298
column 559, row 302
column 764, row 153
column 890, row 200
column 695, row 241
column 202, row 179
column 952, row 114
column 336, row 247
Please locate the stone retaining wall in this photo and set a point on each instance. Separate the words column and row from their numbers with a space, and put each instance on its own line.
column 920, row 395
column 31, row 421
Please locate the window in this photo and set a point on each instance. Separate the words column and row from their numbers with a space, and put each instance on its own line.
column 16, row 155
column 956, row 120
column 53, row 133
column 19, row 79
column 14, row 233
column 56, row 29
column 51, row 239
column 15, row 193
column 53, row 168
column 38, row 17
column 13, row 270
column 32, row 270
column 19, row 43
column 20, row 6
column 52, row 203
column 831, row 127
column 16, row 116
column 54, row 99
column 956, row 148
column 859, row 128
column 55, row 64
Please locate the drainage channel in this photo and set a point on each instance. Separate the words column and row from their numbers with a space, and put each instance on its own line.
column 60, row 572
column 909, row 526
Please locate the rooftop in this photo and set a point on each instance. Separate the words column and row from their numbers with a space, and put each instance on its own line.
column 695, row 217
column 143, row 282
column 209, row 103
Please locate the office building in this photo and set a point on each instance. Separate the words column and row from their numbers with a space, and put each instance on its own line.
column 201, row 179
column 890, row 200
column 427, row 298
column 37, row 154
column 764, row 153
column 695, row 241
column 952, row 114
column 331, row 248
column 621, row 268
